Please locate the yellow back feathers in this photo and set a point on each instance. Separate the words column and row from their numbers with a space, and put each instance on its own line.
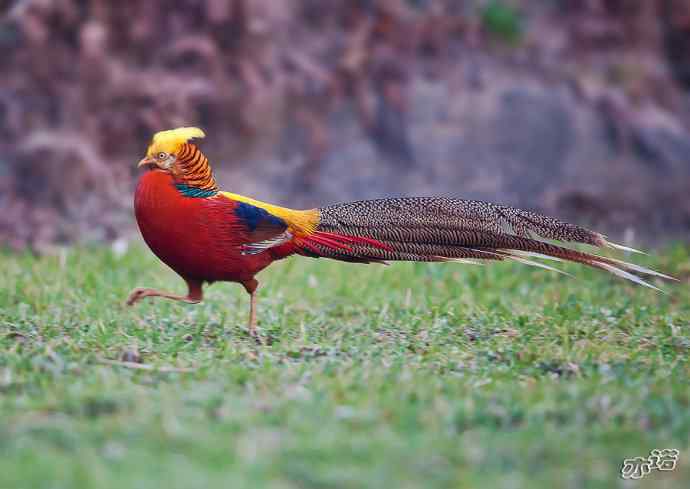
column 170, row 141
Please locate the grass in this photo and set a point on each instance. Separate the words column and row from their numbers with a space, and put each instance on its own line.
column 413, row 375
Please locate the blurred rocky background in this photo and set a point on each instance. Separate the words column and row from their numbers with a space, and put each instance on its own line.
column 577, row 108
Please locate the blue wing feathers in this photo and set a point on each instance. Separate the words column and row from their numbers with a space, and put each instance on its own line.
column 255, row 217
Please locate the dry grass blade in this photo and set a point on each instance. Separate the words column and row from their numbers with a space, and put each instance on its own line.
column 143, row 366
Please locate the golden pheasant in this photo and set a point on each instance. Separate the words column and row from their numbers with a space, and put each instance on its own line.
column 207, row 235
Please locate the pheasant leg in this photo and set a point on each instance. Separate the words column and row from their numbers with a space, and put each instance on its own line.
column 251, row 287
column 194, row 295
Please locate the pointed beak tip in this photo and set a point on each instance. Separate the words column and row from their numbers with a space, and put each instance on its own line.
column 144, row 161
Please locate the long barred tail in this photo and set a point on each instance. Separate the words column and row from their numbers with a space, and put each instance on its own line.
column 442, row 229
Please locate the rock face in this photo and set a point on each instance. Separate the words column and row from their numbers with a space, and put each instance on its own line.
column 516, row 140
column 580, row 110
column 513, row 139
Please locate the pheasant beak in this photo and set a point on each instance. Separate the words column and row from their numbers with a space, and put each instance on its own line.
column 146, row 161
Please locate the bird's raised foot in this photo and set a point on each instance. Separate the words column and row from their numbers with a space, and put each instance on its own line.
column 139, row 293
column 136, row 295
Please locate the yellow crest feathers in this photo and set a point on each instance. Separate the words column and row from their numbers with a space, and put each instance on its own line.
column 171, row 140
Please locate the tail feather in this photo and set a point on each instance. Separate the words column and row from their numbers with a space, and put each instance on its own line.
column 623, row 248
column 623, row 274
column 532, row 263
column 439, row 213
column 441, row 229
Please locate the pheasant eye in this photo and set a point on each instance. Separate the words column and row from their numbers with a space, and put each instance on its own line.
column 162, row 156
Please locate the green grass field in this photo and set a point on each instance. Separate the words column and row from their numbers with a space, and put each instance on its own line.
column 409, row 376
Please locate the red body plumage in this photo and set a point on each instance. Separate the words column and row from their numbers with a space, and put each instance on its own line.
column 200, row 239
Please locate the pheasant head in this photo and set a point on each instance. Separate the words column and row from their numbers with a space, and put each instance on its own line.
column 170, row 151
column 165, row 146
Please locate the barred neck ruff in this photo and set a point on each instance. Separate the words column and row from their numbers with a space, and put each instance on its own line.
column 193, row 174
